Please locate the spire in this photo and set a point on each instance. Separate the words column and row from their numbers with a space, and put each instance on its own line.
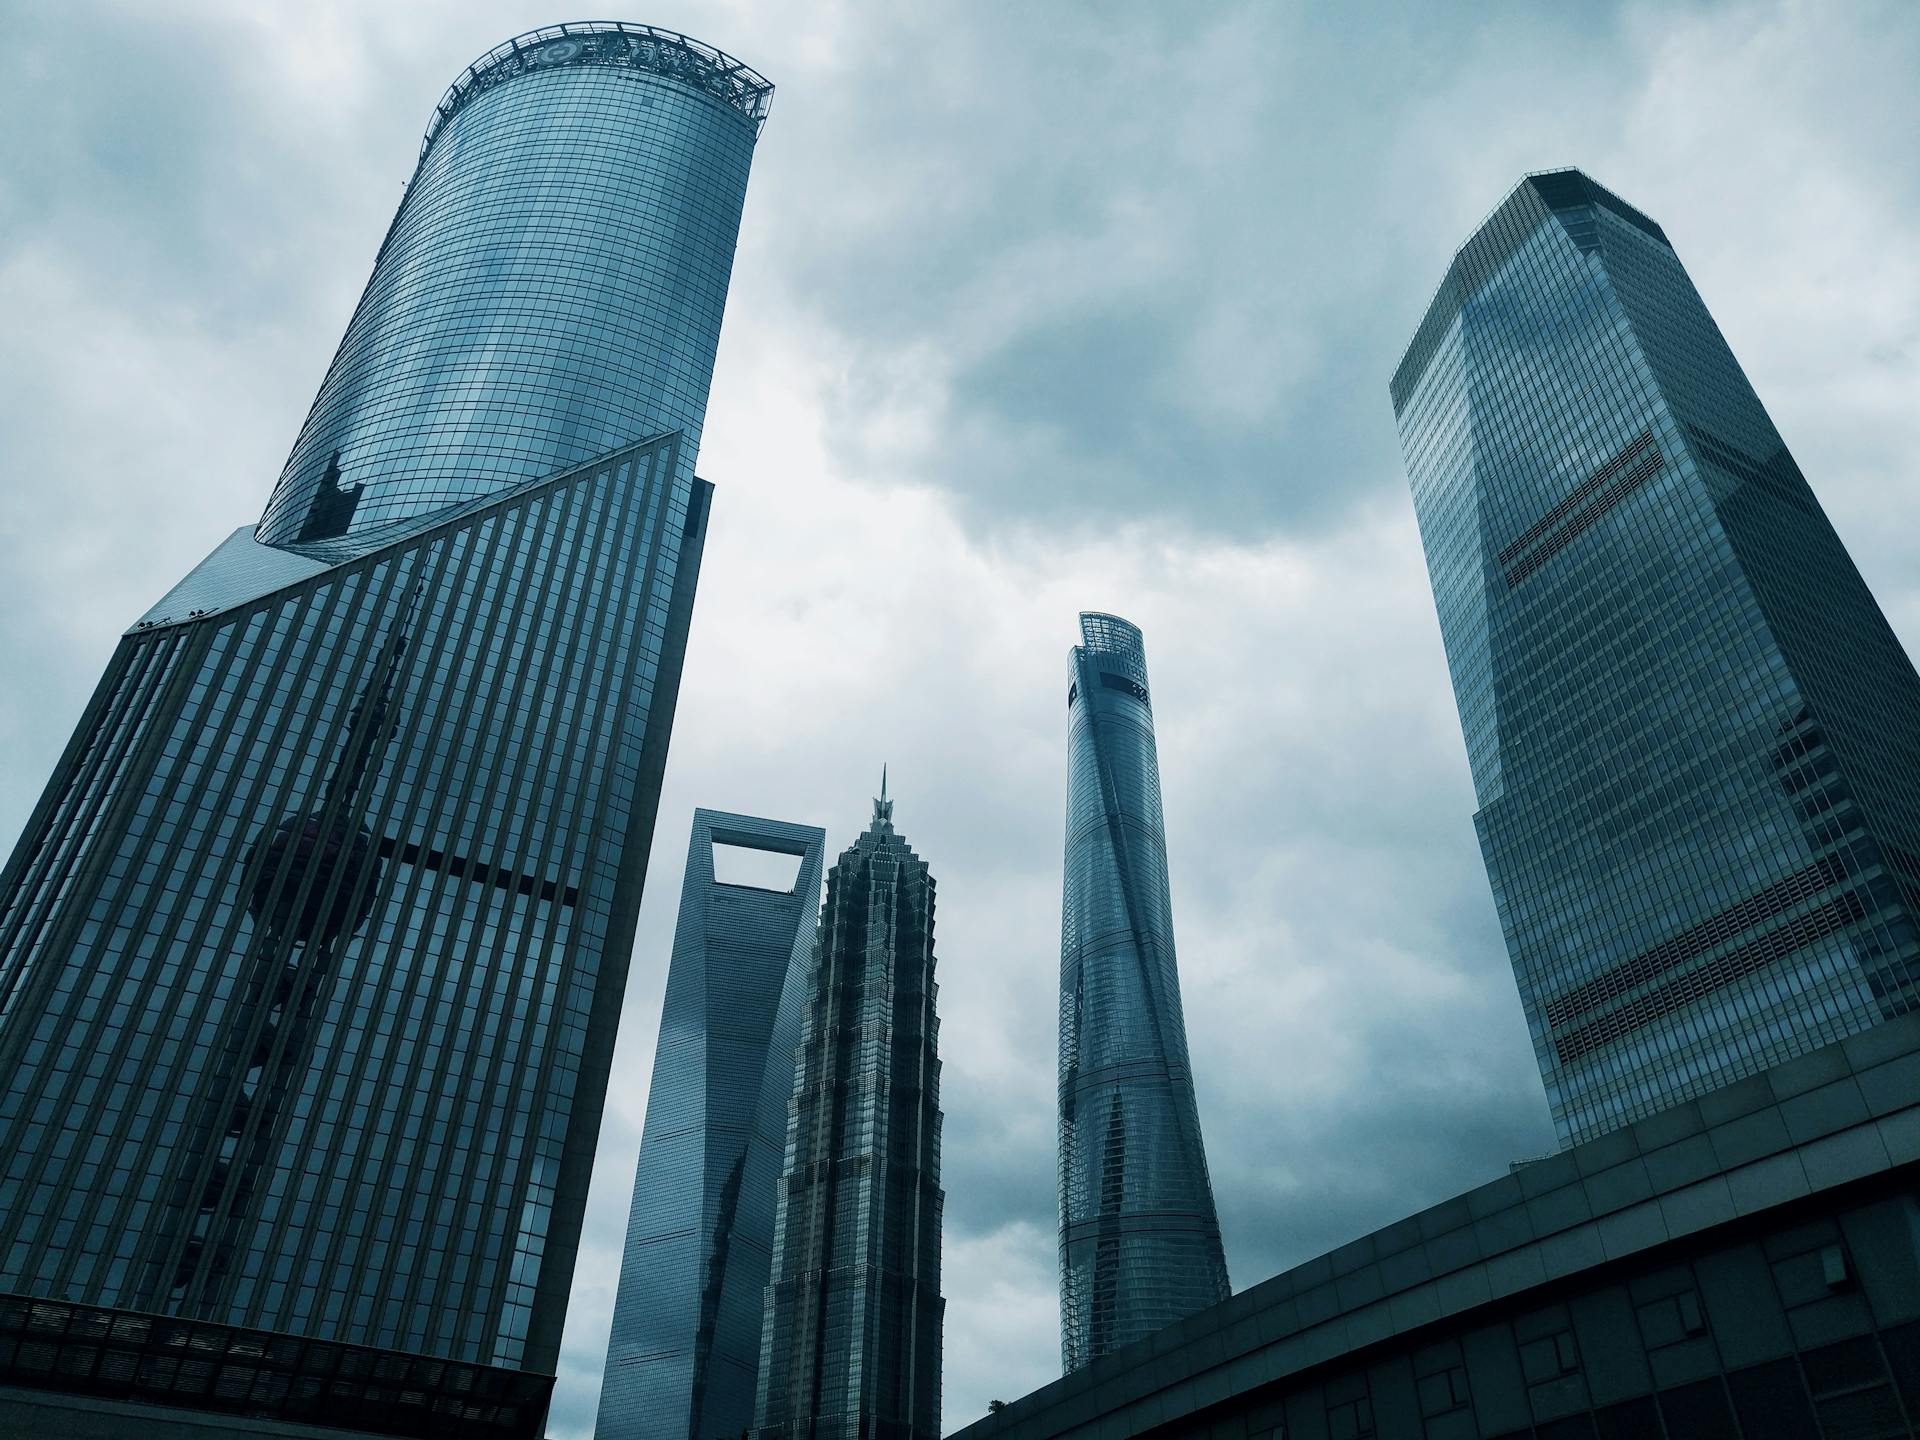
column 882, row 806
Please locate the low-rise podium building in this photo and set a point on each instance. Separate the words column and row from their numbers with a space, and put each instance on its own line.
column 1743, row 1265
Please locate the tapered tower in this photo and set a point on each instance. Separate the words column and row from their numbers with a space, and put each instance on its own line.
column 1695, row 741
column 1139, row 1237
column 683, row 1356
column 851, row 1343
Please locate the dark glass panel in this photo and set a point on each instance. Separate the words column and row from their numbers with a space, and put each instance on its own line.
column 1772, row 1402
column 1699, row 1411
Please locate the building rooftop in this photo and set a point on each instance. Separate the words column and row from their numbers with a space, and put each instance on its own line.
column 609, row 42
column 1538, row 196
column 1831, row 1120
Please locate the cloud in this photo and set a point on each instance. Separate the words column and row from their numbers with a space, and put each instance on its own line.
column 1140, row 263
column 1034, row 311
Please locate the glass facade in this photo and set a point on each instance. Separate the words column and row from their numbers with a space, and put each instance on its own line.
column 684, row 1355
column 1139, row 1238
column 551, row 287
column 1694, row 739
column 312, row 954
column 851, row 1336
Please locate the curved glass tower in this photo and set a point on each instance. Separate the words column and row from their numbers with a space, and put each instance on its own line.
column 1139, row 1238
column 313, row 952
column 1694, row 738
column 551, row 287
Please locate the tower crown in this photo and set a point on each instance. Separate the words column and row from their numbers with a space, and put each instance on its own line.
column 647, row 48
column 1540, row 196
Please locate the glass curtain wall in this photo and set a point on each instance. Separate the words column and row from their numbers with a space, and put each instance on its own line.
column 551, row 288
column 851, row 1342
column 312, row 956
column 1694, row 739
column 683, row 1357
column 1139, row 1237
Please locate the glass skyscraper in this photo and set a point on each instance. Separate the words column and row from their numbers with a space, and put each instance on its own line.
column 312, row 953
column 851, row 1337
column 551, row 287
column 684, row 1355
column 1695, row 742
column 1139, row 1237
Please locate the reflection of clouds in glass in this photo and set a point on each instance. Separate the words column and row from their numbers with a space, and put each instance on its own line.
column 534, row 304
column 683, row 1345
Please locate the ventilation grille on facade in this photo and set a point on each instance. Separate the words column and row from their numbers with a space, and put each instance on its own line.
column 1125, row 685
column 1582, row 226
column 1569, row 518
column 1696, row 940
column 1796, row 934
column 478, row 871
column 1568, row 189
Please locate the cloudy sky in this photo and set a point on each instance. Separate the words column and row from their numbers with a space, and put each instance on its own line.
column 1036, row 309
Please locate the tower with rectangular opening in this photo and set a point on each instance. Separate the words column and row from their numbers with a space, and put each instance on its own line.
column 684, row 1354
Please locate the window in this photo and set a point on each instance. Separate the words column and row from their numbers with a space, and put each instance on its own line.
column 1772, row 1402
column 1549, row 1357
column 1444, row 1391
column 1699, row 1412
column 1670, row 1320
column 1629, row 1420
column 1352, row 1420
column 1850, row 1389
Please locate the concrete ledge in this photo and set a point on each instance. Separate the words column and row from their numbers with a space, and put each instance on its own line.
column 79, row 1417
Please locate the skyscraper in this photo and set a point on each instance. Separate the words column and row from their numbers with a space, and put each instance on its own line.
column 551, row 287
column 851, row 1341
column 1139, row 1238
column 1695, row 741
column 684, row 1354
column 312, row 953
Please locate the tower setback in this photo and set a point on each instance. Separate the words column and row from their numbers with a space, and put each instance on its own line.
column 853, row 1314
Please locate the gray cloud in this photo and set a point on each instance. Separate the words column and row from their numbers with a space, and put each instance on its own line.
column 1172, row 248
column 1036, row 309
